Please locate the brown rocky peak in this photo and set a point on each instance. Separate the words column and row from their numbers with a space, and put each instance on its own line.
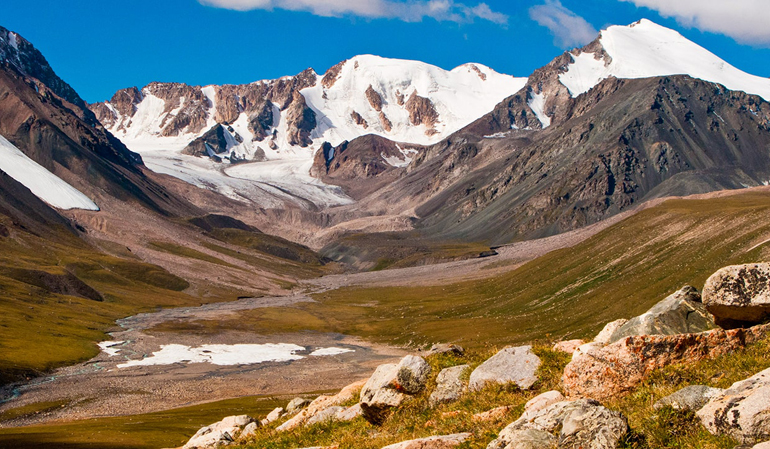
column 422, row 111
column 478, row 71
column 332, row 75
column 360, row 121
column 375, row 99
column 301, row 121
column 387, row 125
column 228, row 105
column 125, row 100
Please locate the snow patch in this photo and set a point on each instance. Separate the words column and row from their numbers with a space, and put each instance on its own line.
column 402, row 160
column 108, row 347
column 537, row 104
column 226, row 355
column 44, row 184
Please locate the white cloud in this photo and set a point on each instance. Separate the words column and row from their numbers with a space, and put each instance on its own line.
column 746, row 21
column 409, row 11
column 568, row 28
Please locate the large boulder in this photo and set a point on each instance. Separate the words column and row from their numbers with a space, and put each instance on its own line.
column 739, row 295
column 569, row 346
column 325, row 415
column 273, row 416
column 680, row 313
column 449, row 385
column 742, row 411
column 412, row 376
column 540, row 402
column 511, row 365
column 691, row 398
column 603, row 337
column 615, row 369
column 220, row 433
column 435, row 442
column 579, row 424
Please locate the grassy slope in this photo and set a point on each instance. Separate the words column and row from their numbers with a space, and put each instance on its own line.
column 569, row 293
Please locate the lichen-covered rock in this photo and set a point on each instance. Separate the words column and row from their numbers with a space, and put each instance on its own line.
column 320, row 404
column 742, row 411
column 449, row 385
column 511, row 365
column 528, row 438
column 273, row 416
column 617, row 368
column 568, row 346
column 446, row 348
column 379, row 395
column 350, row 413
column 579, row 424
column 413, row 372
column 327, row 414
column 691, row 398
column 297, row 404
column 680, row 313
column 435, row 442
column 739, row 295
column 540, row 402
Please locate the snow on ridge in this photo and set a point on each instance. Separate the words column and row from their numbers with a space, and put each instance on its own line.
column 44, row 184
column 645, row 50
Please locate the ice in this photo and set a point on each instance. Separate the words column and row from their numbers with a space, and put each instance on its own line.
column 329, row 351
column 44, row 184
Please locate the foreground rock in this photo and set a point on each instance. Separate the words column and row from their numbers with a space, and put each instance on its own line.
column 680, row 313
column 511, row 365
column 273, row 416
column 691, row 398
column 569, row 346
column 297, row 404
column 437, row 442
column 446, row 348
column 389, row 386
column 579, row 424
column 320, row 405
column 617, row 368
column 603, row 337
column 220, row 433
column 449, row 385
column 739, row 295
column 540, row 402
column 742, row 411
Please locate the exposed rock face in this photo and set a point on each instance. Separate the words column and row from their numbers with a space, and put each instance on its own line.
column 449, row 385
column 375, row 99
column 331, row 76
column 387, row 125
column 212, row 143
column 739, row 295
column 360, row 121
column 609, row 329
column 221, row 433
column 680, row 313
column 261, row 120
column 615, row 369
column 742, row 411
column 580, row 424
column 301, row 121
column 691, row 398
column 511, row 365
column 124, row 102
column 422, row 112
column 436, row 442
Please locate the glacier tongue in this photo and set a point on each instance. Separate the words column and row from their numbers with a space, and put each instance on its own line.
column 646, row 49
column 44, row 184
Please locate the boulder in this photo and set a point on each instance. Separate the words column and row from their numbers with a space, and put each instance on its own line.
column 604, row 336
column 511, row 365
column 297, row 404
column 320, row 404
column 539, row 402
column 742, row 411
column 446, row 348
column 350, row 413
column 579, row 424
column 765, row 445
column 219, row 433
column 249, row 430
column 691, row 398
column 568, row 346
column 435, row 442
column 449, row 385
column 412, row 376
column 739, row 295
column 273, row 416
column 327, row 414
column 379, row 394
column 617, row 368
column 680, row 313
column 587, row 348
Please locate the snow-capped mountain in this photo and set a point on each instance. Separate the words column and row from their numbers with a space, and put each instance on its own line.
column 278, row 125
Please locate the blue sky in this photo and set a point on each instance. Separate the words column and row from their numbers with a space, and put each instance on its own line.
column 101, row 46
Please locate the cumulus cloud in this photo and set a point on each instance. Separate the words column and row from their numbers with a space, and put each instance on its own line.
column 409, row 11
column 746, row 21
column 568, row 29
